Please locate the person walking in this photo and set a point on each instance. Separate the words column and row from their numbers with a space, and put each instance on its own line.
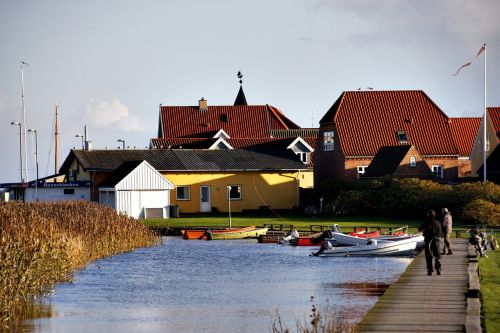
column 433, row 237
column 446, row 224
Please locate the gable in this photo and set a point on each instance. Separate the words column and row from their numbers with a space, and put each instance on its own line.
column 396, row 161
column 136, row 175
column 367, row 120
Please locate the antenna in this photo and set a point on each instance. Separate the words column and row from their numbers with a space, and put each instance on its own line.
column 56, row 136
column 240, row 76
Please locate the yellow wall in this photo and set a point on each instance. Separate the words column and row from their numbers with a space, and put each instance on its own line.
column 277, row 190
column 306, row 179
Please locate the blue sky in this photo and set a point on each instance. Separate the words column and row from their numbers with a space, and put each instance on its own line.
column 109, row 64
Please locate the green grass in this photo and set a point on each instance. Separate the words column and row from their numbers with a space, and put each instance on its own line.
column 298, row 221
column 489, row 269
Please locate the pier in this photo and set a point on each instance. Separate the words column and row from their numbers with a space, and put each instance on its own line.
column 438, row 303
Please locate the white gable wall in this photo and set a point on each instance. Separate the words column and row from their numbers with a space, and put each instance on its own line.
column 133, row 203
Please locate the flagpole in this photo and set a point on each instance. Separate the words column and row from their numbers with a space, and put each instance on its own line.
column 484, row 120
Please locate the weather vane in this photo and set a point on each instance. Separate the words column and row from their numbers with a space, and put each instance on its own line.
column 240, row 76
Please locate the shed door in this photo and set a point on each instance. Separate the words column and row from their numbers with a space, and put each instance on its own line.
column 205, row 202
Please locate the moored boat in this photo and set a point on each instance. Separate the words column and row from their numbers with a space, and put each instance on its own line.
column 337, row 238
column 241, row 234
column 204, row 233
column 402, row 247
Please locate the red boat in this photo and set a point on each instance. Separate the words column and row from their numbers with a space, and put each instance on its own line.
column 364, row 234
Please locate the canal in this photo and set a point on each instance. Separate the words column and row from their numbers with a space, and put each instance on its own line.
column 212, row 286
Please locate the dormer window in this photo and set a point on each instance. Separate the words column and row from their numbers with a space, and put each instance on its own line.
column 402, row 137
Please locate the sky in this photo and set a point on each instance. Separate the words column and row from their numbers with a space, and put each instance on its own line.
column 109, row 64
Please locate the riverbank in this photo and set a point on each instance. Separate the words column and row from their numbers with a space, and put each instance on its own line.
column 44, row 243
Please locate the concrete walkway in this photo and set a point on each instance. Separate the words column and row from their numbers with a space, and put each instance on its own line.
column 438, row 303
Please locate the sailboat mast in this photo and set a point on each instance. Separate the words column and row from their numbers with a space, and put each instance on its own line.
column 24, row 126
column 56, row 136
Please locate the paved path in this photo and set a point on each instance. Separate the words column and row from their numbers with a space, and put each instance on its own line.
column 421, row 303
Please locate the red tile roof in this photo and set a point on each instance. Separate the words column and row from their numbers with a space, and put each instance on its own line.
column 368, row 120
column 238, row 121
column 238, row 143
column 464, row 131
column 494, row 113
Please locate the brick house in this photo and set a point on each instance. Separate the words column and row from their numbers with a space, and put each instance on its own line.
column 360, row 122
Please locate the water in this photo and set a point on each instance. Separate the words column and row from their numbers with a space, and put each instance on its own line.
column 212, row 286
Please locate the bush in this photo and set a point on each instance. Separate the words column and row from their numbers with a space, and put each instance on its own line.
column 481, row 211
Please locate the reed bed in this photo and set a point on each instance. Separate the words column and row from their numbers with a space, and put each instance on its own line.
column 43, row 243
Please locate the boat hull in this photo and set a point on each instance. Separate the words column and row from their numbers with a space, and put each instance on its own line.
column 204, row 233
column 254, row 233
column 402, row 247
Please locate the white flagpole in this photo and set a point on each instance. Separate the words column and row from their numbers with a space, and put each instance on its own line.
column 25, row 125
column 484, row 120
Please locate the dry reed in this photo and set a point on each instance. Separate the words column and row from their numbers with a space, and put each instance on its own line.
column 43, row 243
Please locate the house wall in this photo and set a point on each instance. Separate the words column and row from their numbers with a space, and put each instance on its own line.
column 57, row 194
column 276, row 190
column 420, row 170
column 450, row 165
column 477, row 150
column 464, row 166
column 133, row 203
column 328, row 164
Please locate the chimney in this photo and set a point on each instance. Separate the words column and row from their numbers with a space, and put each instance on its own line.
column 203, row 104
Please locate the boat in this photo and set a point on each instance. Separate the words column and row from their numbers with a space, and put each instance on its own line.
column 374, row 247
column 203, row 233
column 337, row 238
column 241, row 234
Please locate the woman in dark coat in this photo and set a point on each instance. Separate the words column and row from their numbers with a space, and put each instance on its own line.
column 433, row 237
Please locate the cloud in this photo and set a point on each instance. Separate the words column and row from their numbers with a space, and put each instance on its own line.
column 102, row 114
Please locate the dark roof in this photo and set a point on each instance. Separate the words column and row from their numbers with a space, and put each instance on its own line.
column 121, row 172
column 240, row 98
column 367, row 120
column 386, row 161
column 186, row 159
column 239, row 121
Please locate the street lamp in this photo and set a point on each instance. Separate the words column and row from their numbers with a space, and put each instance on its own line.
column 81, row 136
column 123, row 143
column 20, row 148
column 229, row 204
column 36, row 160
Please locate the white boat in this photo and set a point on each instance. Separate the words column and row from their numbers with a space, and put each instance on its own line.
column 340, row 239
column 376, row 247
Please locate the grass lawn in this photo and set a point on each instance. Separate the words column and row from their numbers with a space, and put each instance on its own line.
column 489, row 269
column 299, row 222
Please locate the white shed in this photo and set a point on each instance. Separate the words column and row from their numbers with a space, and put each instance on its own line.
column 138, row 190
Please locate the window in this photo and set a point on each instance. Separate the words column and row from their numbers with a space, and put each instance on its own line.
column 235, row 192
column 361, row 170
column 402, row 137
column 69, row 191
column 304, row 157
column 413, row 162
column 183, row 193
column 328, row 141
column 437, row 170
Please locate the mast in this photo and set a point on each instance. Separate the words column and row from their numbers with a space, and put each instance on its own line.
column 24, row 125
column 485, row 133
column 56, row 136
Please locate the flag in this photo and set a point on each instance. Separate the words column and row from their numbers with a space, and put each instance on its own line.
column 481, row 50
column 458, row 71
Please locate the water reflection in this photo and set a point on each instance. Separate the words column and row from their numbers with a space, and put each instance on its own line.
column 210, row 286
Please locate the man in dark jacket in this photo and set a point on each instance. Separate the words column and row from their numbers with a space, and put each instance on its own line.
column 433, row 237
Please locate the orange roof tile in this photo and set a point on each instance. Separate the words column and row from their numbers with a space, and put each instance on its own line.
column 238, row 121
column 494, row 113
column 464, row 131
column 368, row 120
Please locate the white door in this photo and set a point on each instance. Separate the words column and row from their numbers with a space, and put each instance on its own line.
column 205, row 204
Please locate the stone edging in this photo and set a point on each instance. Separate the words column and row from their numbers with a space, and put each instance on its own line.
column 473, row 314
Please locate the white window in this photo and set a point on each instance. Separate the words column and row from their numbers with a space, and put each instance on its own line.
column 183, row 193
column 328, row 141
column 304, row 157
column 361, row 170
column 413, row 161
column 235, row 192
column 437, row 170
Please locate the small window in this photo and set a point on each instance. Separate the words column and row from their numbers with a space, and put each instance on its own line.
column 183, row 193
column 438, row 171
column 361, row 170
column 304, row 157
column 413, row 161
column 234, row 192
column 402, row 137
column 69, row 191
column 223, row 118
column 328, row 141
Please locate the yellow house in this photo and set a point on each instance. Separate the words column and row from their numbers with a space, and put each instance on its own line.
column 203, row 179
